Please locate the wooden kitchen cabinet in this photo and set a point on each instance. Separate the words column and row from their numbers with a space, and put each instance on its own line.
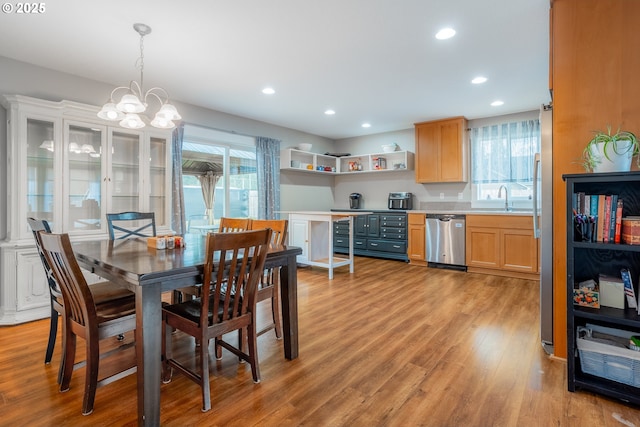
column 577, row 85
column 441, row 150
column 417, row 252
column 502, row 245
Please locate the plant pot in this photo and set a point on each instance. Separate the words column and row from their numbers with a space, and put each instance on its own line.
column 616, row 160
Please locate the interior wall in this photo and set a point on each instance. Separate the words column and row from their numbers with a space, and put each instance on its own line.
column 30, row 80
column 375, row 187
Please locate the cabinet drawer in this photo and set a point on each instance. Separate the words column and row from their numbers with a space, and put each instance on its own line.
column 394, row 235
column 359, row 243
column 402, row 218
column 393, row 229
column 342, row 242
column 387, row 246
column 340, row 225
column 341, row 232
column 393, row 223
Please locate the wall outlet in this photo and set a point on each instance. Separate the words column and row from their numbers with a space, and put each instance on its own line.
column 459, row 196
column 441, row 196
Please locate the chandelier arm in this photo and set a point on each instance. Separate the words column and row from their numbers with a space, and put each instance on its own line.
column 133, row 85
column 153, row 91
column 116, row 89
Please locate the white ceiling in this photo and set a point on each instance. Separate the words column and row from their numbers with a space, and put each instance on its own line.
column 371, row 61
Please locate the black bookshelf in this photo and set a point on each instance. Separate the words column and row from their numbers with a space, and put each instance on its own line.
column 586, row 260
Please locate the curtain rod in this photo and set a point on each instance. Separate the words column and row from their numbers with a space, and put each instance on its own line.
column 232, row 132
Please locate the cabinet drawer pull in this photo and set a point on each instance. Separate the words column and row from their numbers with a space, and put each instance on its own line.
column 373, row 244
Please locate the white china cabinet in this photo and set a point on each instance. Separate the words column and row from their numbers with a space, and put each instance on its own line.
column 67, row 166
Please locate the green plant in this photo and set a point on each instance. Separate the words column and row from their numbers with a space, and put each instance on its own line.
column 619, row 143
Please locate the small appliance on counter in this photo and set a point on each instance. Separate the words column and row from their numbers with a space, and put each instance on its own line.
column 401, row 201
column 355, row 200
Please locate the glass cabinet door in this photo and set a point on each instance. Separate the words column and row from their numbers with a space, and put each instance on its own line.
column 125, row 172
column 85, row 176
column 40, row 174
column 158, row 179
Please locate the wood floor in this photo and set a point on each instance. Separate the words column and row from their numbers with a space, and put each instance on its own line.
column 391, row 345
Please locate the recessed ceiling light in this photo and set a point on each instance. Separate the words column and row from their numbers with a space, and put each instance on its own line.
column 478, row 80
column 329, row 112
column 445, row 33
column 366, row 125
column 268, row 91
column 497, row 103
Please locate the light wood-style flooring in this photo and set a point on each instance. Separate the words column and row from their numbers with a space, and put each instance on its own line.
column 391, row 345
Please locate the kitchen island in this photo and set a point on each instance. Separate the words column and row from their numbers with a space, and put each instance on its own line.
column 313, row 232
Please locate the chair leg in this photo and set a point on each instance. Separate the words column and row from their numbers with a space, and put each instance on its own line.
column 63, row 356
column 242, row 337
column 204, row 374
column 253, row 352
column 91, row 376
column 53, row 331
column 69, row 357
column 275, row 311
column 218, row 348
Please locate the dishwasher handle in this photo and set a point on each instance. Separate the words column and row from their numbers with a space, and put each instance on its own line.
column 446, row 217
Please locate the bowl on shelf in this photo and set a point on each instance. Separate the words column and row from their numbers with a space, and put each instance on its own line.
column 304, row 147
column 389, row 148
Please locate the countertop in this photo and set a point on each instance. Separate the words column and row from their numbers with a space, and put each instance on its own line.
column 515, row 212
column 475, row 212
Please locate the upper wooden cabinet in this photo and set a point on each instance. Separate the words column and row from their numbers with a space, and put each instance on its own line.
column 441, row 150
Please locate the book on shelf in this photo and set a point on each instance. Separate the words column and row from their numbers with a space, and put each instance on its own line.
column 612, row 217
column 607, row 218
column 628, row 288
column 618, row 222
column 594, row 205
column 600, row 218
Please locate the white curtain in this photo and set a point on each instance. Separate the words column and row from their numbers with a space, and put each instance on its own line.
column 504, row 152
column 208, row 183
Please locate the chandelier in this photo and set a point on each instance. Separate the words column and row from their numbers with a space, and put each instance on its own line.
column 134, row 100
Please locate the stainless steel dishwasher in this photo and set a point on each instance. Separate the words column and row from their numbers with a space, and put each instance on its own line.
column 445, row 240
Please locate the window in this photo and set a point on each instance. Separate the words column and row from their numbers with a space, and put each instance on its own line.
column 230, row 164
column 502, row 155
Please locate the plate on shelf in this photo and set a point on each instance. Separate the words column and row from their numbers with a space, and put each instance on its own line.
column 337, row 154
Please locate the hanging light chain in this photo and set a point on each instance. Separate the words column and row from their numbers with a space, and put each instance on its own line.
column 141, row 62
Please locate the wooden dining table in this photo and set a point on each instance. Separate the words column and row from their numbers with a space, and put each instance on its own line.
column 149, row 272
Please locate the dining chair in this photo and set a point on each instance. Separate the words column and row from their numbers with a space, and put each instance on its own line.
column 231, row 225
column 269, row 286
column 131, row 224
column 103, row 292
column 233, row 265
column 85, row 319
column 141, row 224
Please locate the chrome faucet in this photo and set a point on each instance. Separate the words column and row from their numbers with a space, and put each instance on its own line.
column 506, row 197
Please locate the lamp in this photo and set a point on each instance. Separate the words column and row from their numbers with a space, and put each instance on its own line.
column 134, row 101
